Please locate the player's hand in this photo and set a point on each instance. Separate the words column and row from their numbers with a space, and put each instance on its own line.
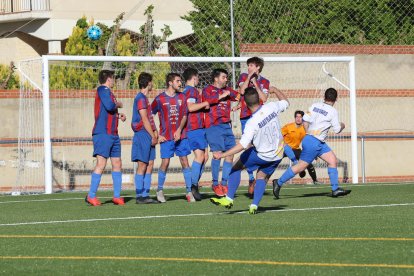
column 217, row 155
column 235, row 108
column 225, row 94
column 154, row 141
column 342, row 125
column 161, row 139
column 177, row 135
column 119, row 104
column 206, row 105
column 122, row 116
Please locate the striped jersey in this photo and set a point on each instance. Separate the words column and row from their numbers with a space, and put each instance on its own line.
column 264, row 85
column 195, row 120
column 219, row 112
column 141, row 102
column 171, row 110
column 106, row 112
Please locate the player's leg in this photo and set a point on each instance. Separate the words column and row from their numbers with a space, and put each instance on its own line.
column 167, row 151
column 215, row 139
column 297, row 153
column 116, row 162
column 252, row 180
column 147, row 179
column 290, row 154
column 182, row 150
column 198, row 144
column 140, row 152
column 229, row 142
column 101, row 151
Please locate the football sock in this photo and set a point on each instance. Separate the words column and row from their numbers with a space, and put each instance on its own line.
column 117, row 179
column 187, row 179
column 215, row 169
column 234, row 182
column 259, row 190
column 95, row 180
column 286, row 176
column 251, row 176
column 290, row 154
column 225, row 172
column 195, row 172
column 139, row 184
column 147, row 185
column 161, row 179
column 333, row 177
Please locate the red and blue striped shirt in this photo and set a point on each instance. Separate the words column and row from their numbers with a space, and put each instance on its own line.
column 195, row 120
column 106, row 112
column 141, row 102
column 171, row 111
column 264, row 85
column 219, row 112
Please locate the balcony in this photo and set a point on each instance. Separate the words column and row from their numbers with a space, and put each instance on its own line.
column 23, row 10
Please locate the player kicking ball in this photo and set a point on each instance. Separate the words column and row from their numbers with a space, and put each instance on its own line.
column 317, row 122
column 262, row 141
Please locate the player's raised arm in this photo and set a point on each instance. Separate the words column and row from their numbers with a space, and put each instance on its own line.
column 279, row 94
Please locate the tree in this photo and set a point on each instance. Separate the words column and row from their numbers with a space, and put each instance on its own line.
column 8, row 78
column 384, row 22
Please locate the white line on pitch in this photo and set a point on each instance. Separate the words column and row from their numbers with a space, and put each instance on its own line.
column 205, row 214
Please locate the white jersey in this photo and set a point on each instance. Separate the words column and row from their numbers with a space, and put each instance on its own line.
column 263, row 131
column 321, row 117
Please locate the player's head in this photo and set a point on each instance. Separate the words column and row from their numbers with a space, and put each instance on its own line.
column 191, row 75
column 255, row 65
column 145, row 81
column 219, row 77
column 299, row 117
column 106, row 77
column 331, row 95
column 173, row 81
column 251, row 97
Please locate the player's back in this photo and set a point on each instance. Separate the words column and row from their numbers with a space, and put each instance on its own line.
column 263, row 130
column 141, row 102
column 321, row 117
column 195, row 120
column 105, row 110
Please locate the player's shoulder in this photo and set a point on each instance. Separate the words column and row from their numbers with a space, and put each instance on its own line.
column 103, row 88
column 264, row 79
column 140, row 96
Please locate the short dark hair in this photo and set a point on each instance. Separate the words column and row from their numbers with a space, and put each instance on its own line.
column 299, row 112
column 216, row 73
column 189, row 73
column 259, row 62
column 104, row 75
column 331, row 95
column 251, row 97
column 144, row 79
column 171, row 77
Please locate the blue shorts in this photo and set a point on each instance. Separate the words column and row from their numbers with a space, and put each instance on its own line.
column 253, row 162
column 141, row 147
column 312, row 148
column 243, row 123
column 220, row 137
column 106, row 145
column 197, row 139
column 180, row 148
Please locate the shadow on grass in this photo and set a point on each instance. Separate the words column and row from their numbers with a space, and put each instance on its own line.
column 327, row 194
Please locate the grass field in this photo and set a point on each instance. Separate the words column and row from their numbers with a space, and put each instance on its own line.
column 369, row 232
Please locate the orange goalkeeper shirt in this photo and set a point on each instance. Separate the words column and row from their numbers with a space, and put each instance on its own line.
column 293, row 135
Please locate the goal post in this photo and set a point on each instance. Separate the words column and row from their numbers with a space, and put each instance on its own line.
column 48, row 60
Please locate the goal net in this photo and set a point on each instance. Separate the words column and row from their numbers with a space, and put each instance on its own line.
column 57, row 114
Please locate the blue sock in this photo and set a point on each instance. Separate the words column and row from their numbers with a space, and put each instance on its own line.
column 187, row 179
column 161, row 179
column 259, row 190
column 286, row 176
column 139, row 184
column 95, row 180
column 117, row 179
column 234, row 182
column 215, row 169
column 226, row 172
column 147, row 185
column 333, row 177
column 251, row 176
column 195, row 172
column 290, row 154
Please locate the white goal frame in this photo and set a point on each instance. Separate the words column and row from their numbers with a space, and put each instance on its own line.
column 46, row 104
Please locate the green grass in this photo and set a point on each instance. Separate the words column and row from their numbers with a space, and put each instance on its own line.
column 305, row 232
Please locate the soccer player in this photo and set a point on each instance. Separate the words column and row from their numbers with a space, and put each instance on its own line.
column 317, row 122
column 293, row 135
column 172, row 112
column 195, row 128
column 106, row 142
column 252, row 79
column 218, row 126
column 144, row 141
column 263, row 132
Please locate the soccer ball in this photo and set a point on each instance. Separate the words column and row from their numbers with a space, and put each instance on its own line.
column 94, row 32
